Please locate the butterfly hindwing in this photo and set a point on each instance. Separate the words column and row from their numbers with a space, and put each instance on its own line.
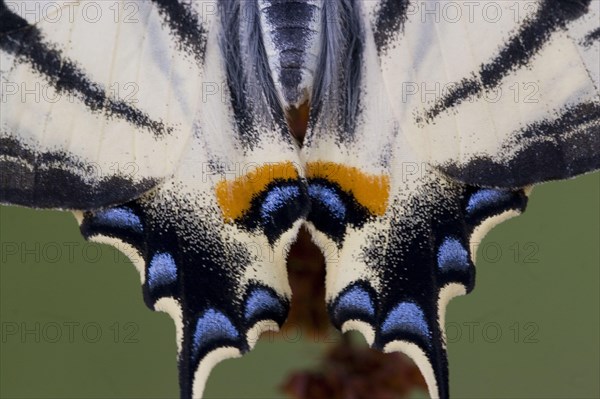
column 222, row 285
column 404, row 227
column 210, row 231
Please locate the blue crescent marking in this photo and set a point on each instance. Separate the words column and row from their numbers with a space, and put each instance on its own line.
column 329, row 198
column 261, row 300
column 356, row 299
column 406, row 316
column 213, row 325
column 452, row 255
column 486, row 197
column 119, row 217
column 277, row 198
column 162, row 270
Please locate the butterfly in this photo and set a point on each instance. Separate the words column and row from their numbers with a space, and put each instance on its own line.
column 166, row 128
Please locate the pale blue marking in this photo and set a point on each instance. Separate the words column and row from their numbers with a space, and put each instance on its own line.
column 213, row 325
column 486, row 197
column 329, row 198
column 408, row 317
column 261, row 300
column 162, row 270
column 356, row 299
column 277, row 198
column 120, row 217
column 452, row 255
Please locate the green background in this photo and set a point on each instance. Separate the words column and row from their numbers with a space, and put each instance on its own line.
column 537, row 286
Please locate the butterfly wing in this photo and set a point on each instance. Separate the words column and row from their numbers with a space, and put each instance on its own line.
column 503, row 95
column 210, row 239
column 98, row 100
column 399, row 226
column 223, row 283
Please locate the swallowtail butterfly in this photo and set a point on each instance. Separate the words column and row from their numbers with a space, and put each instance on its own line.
column 166, row 128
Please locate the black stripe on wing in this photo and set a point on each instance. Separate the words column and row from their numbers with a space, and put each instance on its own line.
column 186, row 25
column 591, row 37
column 389, row 22
column 26, row 42
column 552, row 149
column 56, row 179
column 516, row 53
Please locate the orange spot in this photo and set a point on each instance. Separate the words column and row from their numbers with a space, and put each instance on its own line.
column 371, row 191
column 235, row 197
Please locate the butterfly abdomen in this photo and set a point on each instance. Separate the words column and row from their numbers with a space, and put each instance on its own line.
column 292, row 41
